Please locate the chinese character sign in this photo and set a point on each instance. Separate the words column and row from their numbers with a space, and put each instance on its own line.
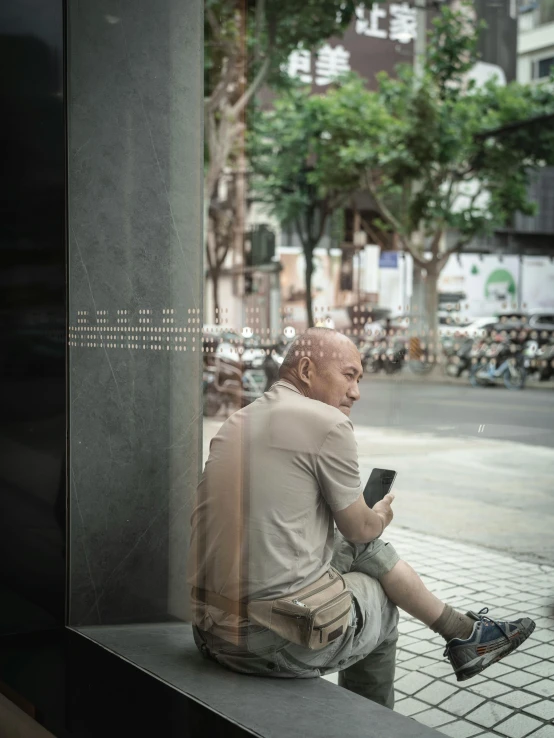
column 300, row 65
column 390, row 24
column 402, row 22
column 370, row 26
column 330, row 62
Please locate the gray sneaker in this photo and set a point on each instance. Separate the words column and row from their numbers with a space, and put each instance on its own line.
column 489, row 642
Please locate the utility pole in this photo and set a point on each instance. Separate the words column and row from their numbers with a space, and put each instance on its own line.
column 420, row 41
column 420, row 48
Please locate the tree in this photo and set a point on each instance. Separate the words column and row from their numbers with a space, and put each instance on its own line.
column 297, row 170
column 440, row 157
column 247, row 44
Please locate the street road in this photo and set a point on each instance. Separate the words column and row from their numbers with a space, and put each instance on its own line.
column 457, row 410
column 474, row 465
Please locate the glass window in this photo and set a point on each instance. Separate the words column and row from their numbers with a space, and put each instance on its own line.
column 385, row 232
column 369, row 202
column 542, row 67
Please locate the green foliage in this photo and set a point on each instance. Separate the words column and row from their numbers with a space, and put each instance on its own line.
column 427, row 150
column 297, row 166
column 437, row 153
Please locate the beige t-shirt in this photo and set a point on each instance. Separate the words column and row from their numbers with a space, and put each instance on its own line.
column 262, row 525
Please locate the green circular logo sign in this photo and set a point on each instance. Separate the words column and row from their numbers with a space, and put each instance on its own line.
column 500, row 285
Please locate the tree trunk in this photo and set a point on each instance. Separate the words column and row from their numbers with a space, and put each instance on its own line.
column 308, row 254
column 214, row 274
column 432, row 307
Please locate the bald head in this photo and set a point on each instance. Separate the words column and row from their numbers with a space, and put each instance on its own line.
column 324, row 365
column 319, row 344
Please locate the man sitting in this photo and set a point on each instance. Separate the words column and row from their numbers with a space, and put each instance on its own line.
column 281, row 473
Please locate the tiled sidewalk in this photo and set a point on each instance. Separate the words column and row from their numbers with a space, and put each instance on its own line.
column 514, row 698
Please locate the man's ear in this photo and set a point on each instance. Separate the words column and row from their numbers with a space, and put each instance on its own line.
column 304, row 369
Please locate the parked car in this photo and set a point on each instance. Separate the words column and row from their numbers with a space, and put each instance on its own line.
column 479, row 327
column 541, row 321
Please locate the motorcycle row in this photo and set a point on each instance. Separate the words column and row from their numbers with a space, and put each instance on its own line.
column 503, row 354
column 238, row 370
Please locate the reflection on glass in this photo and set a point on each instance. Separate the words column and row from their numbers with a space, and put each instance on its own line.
column 402, row 183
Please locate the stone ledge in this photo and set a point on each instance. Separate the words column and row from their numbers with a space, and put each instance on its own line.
column 266, row 707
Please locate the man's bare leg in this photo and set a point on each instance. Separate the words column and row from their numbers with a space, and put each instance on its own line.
column 404, row 587
column 473, row 641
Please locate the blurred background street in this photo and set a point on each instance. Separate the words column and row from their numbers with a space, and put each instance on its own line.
column 453, row 410
column 473, row 465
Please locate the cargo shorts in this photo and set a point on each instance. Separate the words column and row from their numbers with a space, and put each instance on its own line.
column 373, row 622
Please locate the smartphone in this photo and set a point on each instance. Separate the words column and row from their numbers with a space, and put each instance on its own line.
column 378, row 485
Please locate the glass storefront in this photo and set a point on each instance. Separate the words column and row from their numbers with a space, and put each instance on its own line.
column 208, row 181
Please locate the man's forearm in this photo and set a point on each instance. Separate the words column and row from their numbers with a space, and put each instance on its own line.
column 373, row 527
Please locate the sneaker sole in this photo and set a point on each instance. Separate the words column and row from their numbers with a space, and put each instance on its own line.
column 480, row 663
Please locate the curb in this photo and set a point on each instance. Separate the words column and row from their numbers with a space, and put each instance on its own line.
column 440, row 378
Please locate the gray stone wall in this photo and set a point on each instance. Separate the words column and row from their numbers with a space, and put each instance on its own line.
column 135, row 294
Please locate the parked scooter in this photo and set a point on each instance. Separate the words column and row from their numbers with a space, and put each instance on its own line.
column 544, row 361
column 457, row 354
column 498, row 362
column 235, row 377
column 373, row 356
column 394, row 357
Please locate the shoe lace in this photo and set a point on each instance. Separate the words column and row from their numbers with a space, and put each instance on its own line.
column 482, row 615
column 483, row 618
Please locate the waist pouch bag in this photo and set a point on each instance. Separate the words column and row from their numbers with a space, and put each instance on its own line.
column 312, row 617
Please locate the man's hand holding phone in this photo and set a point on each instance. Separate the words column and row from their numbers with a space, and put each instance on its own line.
column 384, row 510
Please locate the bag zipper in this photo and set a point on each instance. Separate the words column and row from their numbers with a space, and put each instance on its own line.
column 325, row 625
column 290, row 614
column 331, row 602
column 319, row 589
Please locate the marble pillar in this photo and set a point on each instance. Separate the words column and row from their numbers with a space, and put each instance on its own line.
column 135, row 76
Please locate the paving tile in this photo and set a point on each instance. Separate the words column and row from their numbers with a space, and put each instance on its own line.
column 518, row 726
column 517, row 698
column 544, row 623
column 460, row 729
column 518, row 679
column 433, row 717
column 403, row 656
column 417, row 663
column 451, row 679
column 546, row 732
column 420, row 647
column 461, row 703
column 413, row 682
column 521, row 596
column 400, row 672
column 405, row 640
column 544, row 651
column 503, row 601
column 409, row 626
column 543, row 709
column 436, row 692
column 545, row 637
column 409, row 706
column 489, row 714
column 545, row 688
column 498, row 670
column 543, row 610
column 531, row 642
column 521, row 660
column 438, row 669
column 490, row 688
